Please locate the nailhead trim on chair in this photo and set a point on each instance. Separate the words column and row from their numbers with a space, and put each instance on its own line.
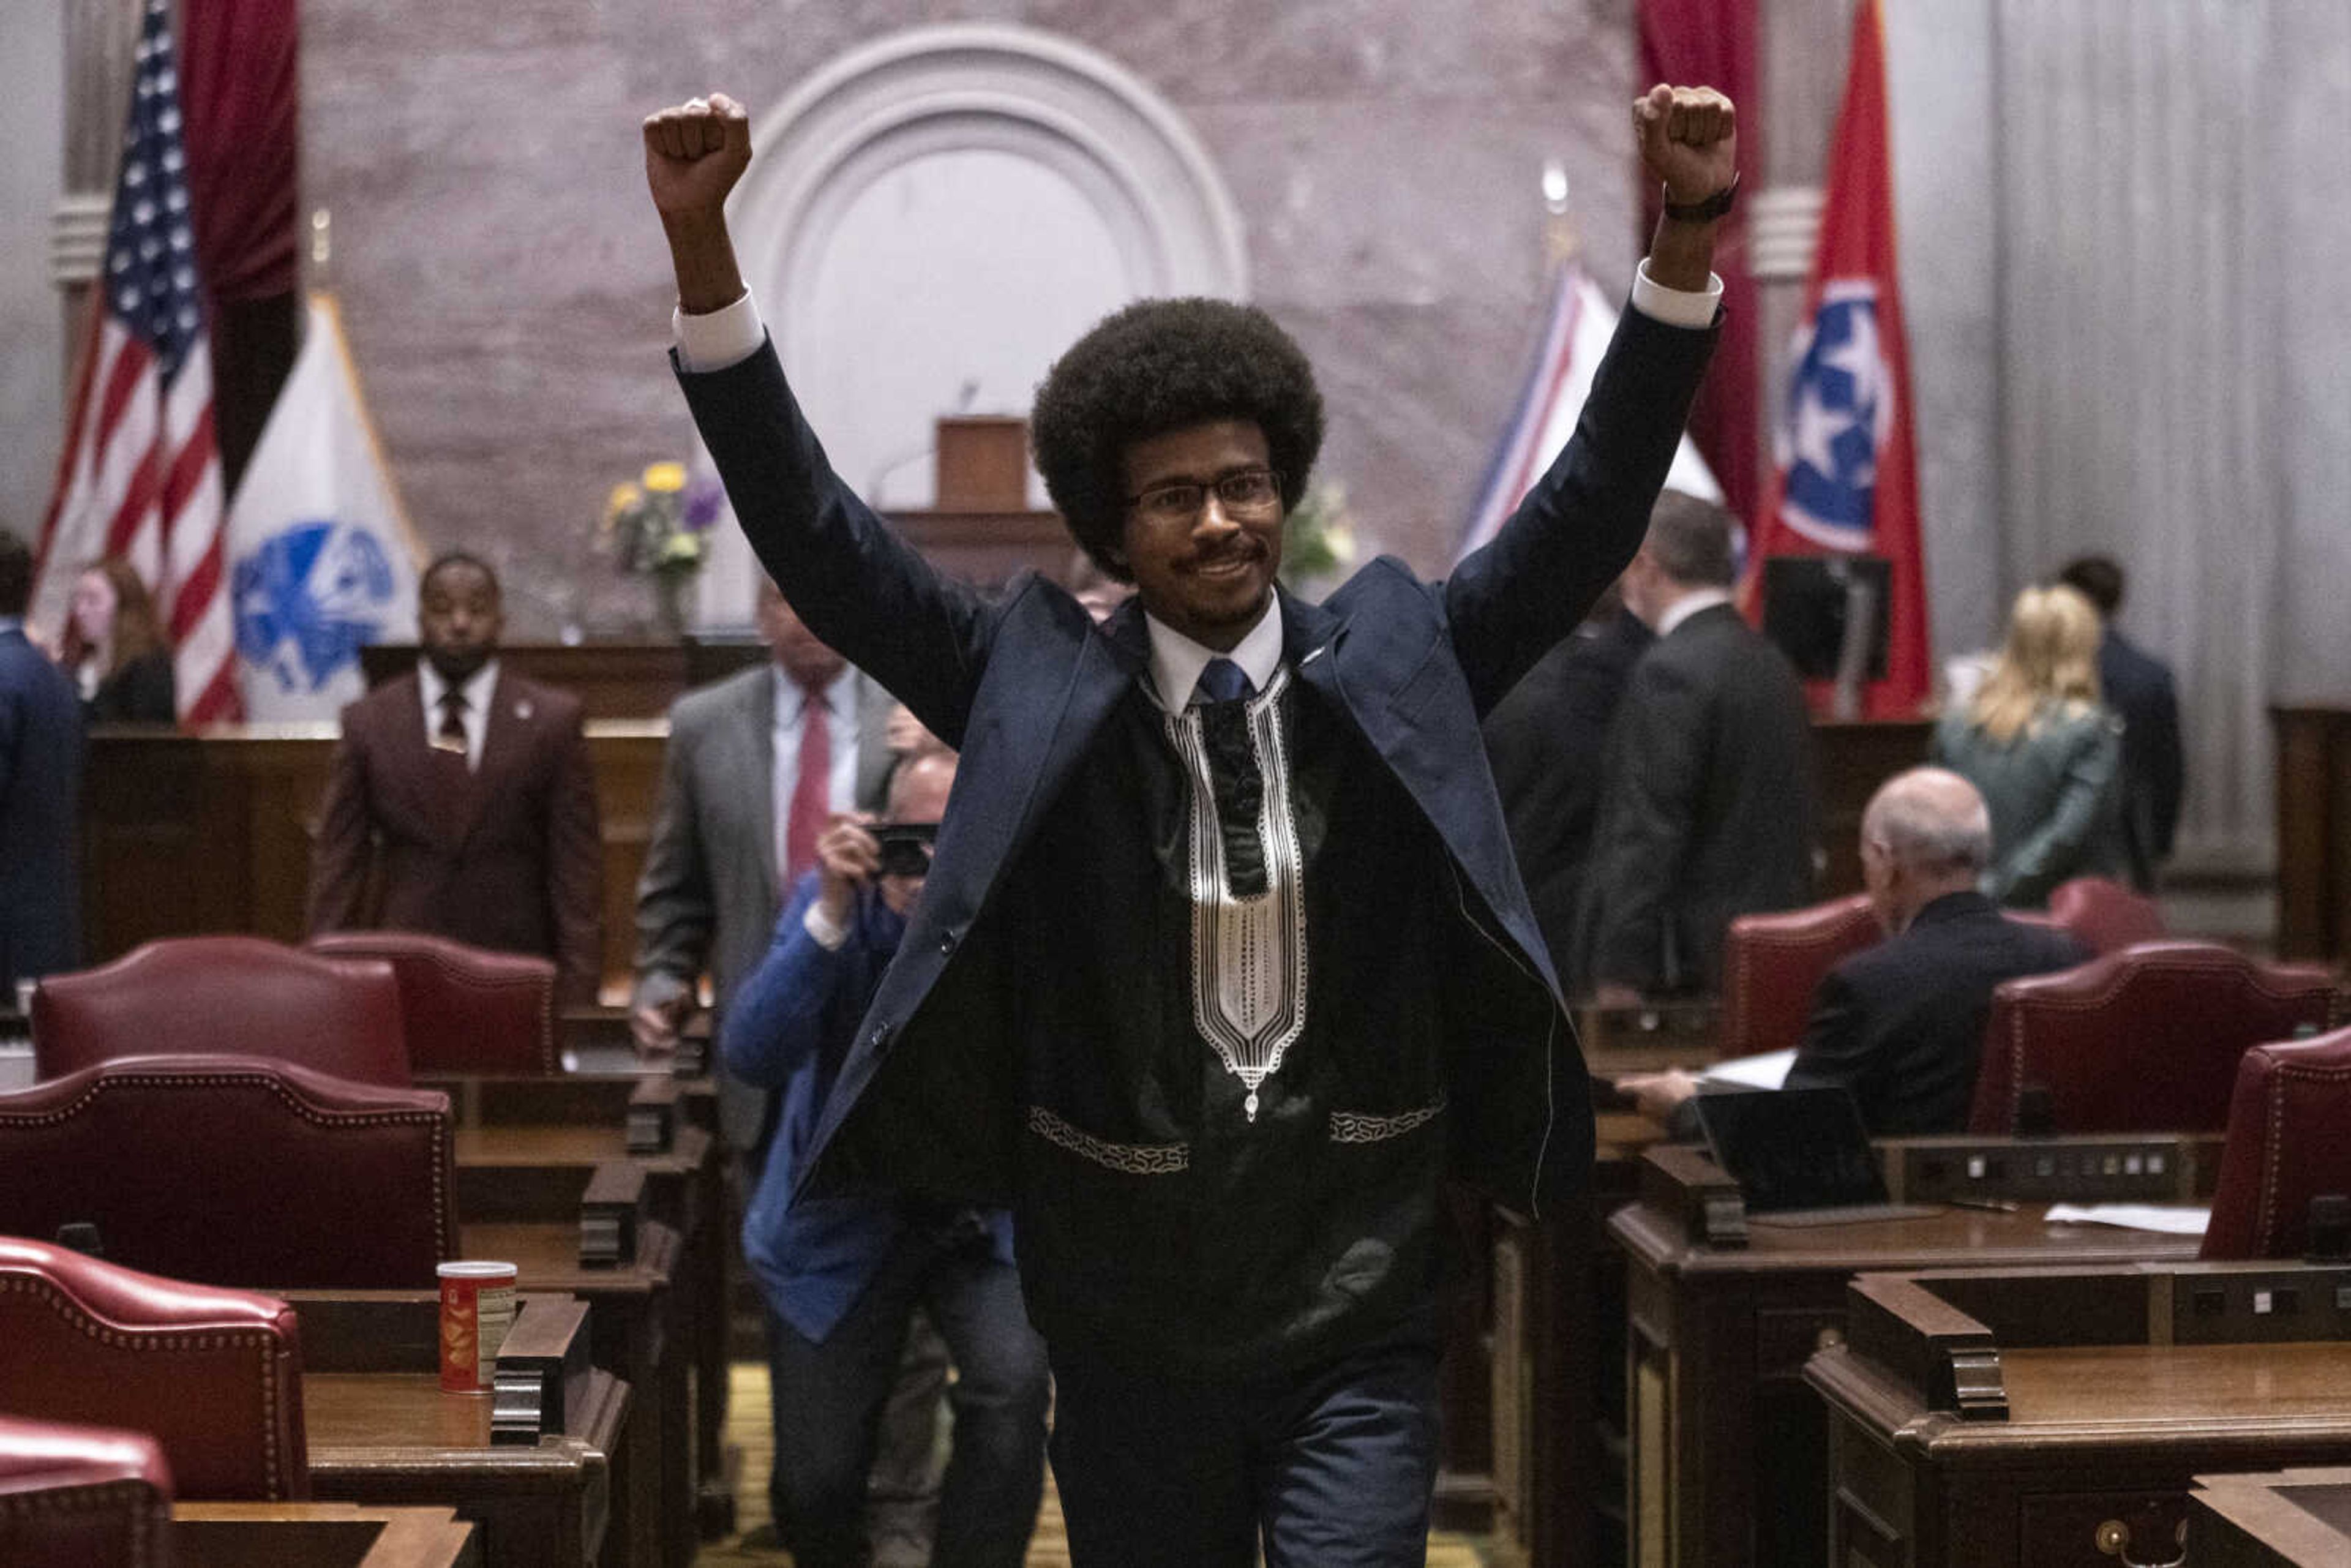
column 443, row 1228
column 439, row 962
column 78, row 1314
column 91, row 1500
column 2233, row 964
column 2266, row 1225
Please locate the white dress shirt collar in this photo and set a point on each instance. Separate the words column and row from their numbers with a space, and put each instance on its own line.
column 840, row 697
column 1688, row 605
column 480, row 689
column 1177, row 660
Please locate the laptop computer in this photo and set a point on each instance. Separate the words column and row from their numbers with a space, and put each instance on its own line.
column 1801, row 1156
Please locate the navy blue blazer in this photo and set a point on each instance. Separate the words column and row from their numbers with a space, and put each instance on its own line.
column 1021, row 681
column 789, row 1028
column 2139, row 687
column 40, row 804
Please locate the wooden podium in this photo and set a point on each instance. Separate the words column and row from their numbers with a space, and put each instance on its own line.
column 982, row 528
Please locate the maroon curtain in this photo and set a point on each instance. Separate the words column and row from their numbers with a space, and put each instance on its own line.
column 1712, row 43
column 238, row 90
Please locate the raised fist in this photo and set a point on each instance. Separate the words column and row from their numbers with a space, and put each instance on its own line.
column 695, row 153
column 1690, row 140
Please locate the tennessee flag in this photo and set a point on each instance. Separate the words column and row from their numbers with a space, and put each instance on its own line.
column 1846, row 477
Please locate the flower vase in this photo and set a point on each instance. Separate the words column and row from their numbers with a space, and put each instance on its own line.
column 671, row 591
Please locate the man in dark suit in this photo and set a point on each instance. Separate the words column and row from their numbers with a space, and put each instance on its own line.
column 1902, row 1024
column 1545, row 742
column 40, row 792
column 1223, row 961
column 2139, row 687
column 461, row 800
column 1707, row 807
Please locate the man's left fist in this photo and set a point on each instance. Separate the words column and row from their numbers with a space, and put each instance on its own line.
column 1690, row 140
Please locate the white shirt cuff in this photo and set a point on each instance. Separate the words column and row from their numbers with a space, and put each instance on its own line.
column 727, row 336
column 822, row 930
column 1674, row 306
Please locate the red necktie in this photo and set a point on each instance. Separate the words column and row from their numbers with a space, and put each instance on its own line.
column 813, row 790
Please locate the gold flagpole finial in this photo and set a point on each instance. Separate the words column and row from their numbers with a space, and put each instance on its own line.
column 1560, row 242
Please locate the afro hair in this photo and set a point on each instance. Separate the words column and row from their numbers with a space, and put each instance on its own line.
column 1156, row 366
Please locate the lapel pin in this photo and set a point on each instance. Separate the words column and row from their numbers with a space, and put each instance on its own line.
column 522, row 709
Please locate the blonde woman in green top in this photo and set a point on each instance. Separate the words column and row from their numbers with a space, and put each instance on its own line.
column 2044, row 750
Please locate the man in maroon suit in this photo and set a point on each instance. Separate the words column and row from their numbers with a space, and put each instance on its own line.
column 461, row 800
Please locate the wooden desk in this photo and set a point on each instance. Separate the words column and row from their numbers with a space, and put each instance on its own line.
column 1726, row 1444
column 2300, row 1518
column 2055, row 1419
column 529, row 1467
column 633, row 1336
column 1558, row 1338
column 318, row 1535
column 502, row 1166
column 656, row 1110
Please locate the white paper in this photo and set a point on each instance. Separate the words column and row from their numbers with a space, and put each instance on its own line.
column 1769, row 1070
column 2171, row 1219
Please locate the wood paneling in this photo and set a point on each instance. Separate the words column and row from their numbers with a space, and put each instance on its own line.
column 2313, row 832
column 192, row 835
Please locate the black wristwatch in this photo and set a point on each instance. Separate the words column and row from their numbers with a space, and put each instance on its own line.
column 1707, row 211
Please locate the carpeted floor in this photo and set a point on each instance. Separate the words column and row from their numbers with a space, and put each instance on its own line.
column 746, row 1426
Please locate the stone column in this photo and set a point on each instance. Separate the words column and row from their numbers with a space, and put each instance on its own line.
column 101, row 38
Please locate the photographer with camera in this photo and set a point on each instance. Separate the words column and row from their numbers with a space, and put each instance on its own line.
column 842, row 1276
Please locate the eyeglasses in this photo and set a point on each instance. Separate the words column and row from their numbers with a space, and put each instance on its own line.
column 1246, row 493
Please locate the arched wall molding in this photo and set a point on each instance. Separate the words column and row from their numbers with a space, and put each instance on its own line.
column 959, row 87
column 1020, row 90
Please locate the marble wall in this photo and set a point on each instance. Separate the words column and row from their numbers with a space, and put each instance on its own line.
column 506, row 296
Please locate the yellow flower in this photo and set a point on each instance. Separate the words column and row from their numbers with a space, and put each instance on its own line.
column 665, row 478
column 624, row 495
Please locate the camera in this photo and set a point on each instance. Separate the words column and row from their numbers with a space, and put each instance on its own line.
column 905, row 847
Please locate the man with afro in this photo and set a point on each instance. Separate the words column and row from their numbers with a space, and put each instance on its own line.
column 1223, row 963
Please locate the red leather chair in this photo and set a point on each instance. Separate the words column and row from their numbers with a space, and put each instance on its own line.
column 2106, row 916
column 2289, row 1141
column 224, row 995
column 215, row 1375
column 2144, row 1040
column 235, row 1171
column 1772, row 964
column 465, row 1009
column 83, row 1497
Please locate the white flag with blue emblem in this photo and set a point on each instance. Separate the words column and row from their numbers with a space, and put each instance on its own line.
column 322, row 559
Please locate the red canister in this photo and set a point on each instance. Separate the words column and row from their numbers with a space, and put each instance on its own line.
column 478, row 1307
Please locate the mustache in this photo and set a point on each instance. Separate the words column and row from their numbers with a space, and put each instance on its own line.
column 1240, row 551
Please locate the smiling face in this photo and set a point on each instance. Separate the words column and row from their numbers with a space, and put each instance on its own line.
column 1207, row 575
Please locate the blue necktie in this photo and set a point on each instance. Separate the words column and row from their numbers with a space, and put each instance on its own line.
column 1222, row 681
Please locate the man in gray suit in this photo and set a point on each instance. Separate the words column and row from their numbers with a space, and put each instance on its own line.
column 734, row 793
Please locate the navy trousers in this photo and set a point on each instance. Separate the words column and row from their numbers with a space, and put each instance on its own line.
column 829, row 1398
column 1329, row 1467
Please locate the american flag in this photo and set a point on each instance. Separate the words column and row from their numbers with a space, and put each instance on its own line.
column 139, row 474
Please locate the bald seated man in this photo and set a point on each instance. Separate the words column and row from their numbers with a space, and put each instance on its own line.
column 1901, row 1024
